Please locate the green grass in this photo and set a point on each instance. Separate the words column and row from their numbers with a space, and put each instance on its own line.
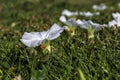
column 97, row 61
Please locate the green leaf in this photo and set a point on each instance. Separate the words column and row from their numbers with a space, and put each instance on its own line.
column 1, row 74
column 81, row 74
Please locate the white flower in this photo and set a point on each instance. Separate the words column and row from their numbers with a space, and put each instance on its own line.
column 115, row 22
column 34, row 39
column 69, row 22
column 86, row 14
column 115, row 15
column 100, row 7
column 112, row 23
column 79, row 22
column 89, row 14
column 69, row 13
column 117, row 19
column 63, row 19
column 88, row 25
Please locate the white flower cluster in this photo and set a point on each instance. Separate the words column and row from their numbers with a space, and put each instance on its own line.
column 82, row 13
column 114, row 22
column 85, row 13
column 82, row 23
column 102, row 6
column 89, row 14
column 89, row 25
column 34, row 39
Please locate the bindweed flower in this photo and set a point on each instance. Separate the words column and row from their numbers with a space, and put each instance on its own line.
column 69, row 13
column 100, row 7
column 89, row 26
column 115, row 15
column 34, row 39
column 116, row 21
column 71, row 24
column 112, row 23
column 86, row 14
column 89, row 14
column 63, row 19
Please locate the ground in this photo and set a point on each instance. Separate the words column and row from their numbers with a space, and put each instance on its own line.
column 98, row 60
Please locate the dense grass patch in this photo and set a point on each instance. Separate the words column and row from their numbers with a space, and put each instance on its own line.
column 98, row 60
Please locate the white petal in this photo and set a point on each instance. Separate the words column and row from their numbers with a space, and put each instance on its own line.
column 71, row 22
column 66, row 12
column 69, row 13
column 96, row 26
column 81, row 13
column 88, row 14
column 54, row 32
column 44, row 34
column 84, row 25
column 90, row 25
column 99, row 7
column 63, row 19
column 33, row 39
column 79, row 22
column 115, row 15
column 75, row 13
column 112, row 23
column 117, row 19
